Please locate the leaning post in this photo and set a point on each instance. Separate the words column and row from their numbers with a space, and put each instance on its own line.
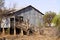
column 14, row 28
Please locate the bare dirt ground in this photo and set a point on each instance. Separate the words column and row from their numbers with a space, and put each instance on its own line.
column 32, row 37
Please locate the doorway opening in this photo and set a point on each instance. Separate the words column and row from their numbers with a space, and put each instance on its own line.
column 11, row 31
column 30, row 31
column 11, row 26
column 1, row 30
column 24, row 32
column 11, row 22
column 18, row 31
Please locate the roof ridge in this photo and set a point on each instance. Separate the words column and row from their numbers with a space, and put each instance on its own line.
column 32, row 7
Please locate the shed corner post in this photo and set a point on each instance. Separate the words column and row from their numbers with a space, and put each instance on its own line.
column 14, row 28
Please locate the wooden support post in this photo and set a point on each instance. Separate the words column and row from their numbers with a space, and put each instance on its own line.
column 3, row 31
column 14, row 28
column 21, row 32
column 28, row 27
column 27, row 24
column 8, row 31
column 14, row 32
column 28, row 32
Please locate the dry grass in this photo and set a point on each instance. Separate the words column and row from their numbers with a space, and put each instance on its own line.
column 49, row 34
column 32, row 37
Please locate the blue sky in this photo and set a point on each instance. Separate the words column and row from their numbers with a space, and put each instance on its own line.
column 41, row 5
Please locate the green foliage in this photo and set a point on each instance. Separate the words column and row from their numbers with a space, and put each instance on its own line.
column 48, row 17
column 56, row 20
column 2, row 3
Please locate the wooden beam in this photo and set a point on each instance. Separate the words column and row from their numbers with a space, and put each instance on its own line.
column 14, row 28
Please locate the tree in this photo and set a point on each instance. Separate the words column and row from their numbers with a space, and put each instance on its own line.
column 56, row 20
column 4, row 12
column 48, row 17
column 2, row 3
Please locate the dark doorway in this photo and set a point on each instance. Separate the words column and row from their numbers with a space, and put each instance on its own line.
column 24, row 32
column 11, row 31
column 11, row 22
column 18, row 31
column 30, row 31
column 1, row 30
column 11, row 26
